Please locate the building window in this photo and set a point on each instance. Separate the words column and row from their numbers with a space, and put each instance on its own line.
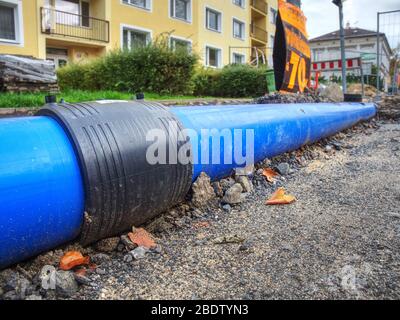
column 367, row 46
column 58, row 56
column 213, row 20
column 318, row 54
column 180, row 44
column 273, row 15
column 333, row 53
column 71, row 12
column 133, row 38
column 213, row 57
column 181, row 9
column 85, row 11
column 239, row 3
column 10, row 21
column 70, row 6
column 238, row 58
column 144, row 4
column 238, row 29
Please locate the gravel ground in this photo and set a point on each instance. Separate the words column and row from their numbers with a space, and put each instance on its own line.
column 339, row 240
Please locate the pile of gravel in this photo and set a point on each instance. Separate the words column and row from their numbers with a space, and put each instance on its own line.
column 279, row 98
column 389, row 107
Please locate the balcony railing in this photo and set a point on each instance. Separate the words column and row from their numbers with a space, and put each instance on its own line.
column 74, row 25
column 260, row 5
column 258, row 33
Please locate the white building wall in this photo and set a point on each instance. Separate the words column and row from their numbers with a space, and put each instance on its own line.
column 355, row 48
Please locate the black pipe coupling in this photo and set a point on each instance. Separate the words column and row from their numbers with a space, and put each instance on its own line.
column 122, row 188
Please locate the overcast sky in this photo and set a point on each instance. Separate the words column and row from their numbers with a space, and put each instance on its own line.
column 323, row 15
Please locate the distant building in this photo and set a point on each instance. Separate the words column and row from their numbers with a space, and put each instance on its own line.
column 360, row 43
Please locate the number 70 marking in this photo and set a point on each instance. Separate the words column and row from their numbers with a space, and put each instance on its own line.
column 298, row 72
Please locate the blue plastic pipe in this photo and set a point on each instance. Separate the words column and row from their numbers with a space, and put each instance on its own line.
column 277, row 128
column 41, row 191
column 41, row 188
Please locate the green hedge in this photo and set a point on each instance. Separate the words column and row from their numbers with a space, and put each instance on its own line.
column 206, row 82
column 232, row 81
column 154, row 68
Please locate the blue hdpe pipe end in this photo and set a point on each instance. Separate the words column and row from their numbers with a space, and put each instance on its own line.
column 277, row 128
column 41, row 191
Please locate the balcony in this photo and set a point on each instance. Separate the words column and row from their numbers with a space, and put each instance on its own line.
column 260, row 5
column 67, row 24
column 258, row 33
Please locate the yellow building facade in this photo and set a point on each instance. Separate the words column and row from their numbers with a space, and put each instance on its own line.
column 219, row 31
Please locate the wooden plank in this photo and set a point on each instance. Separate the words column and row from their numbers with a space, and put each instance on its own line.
column 27, row 74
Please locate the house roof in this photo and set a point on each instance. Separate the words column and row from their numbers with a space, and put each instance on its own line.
column 351, row 33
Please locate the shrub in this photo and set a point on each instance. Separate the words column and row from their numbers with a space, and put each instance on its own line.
column 205, row 82
column 242, row 81
column 232, row 81
column 72, row 76
column 153, row 68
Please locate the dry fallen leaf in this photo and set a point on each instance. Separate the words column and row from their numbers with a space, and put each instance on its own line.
column 202, row 224
column 280, row 197
column 73, row 259
column 270, row 174
column 142, row 238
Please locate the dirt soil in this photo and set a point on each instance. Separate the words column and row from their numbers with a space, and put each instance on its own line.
column 339, row 240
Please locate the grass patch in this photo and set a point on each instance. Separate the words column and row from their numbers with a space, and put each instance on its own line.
column 30, row 100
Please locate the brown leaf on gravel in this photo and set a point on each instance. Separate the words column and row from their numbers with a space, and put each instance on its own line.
column 202, row 224
column 142, row 238
column 270, row 174
column 280, row 197
column 73, row 259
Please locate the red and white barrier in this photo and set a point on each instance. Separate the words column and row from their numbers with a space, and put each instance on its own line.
column 335, row 65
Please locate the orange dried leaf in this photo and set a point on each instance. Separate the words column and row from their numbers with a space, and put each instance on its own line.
column 142, row 238
column 270, row 174
column 202, row 224
column 73, row 259
column 280, row 197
